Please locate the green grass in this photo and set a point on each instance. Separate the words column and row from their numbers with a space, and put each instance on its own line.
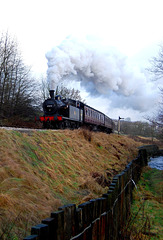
column 147, row 209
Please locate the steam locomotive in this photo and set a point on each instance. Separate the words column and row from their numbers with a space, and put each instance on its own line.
column 64, row 113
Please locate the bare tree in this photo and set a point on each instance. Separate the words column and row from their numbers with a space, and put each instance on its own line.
column 60, row 90
column 44, row 88
column 157, row 70
column 16, row 85
column 157, row 64
column 160, row 113
column 70, row 93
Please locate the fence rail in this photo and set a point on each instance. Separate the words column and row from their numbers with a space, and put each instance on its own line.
column 97, row 219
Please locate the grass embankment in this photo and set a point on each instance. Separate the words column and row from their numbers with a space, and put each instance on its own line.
column 42, row 170
column 147, row 209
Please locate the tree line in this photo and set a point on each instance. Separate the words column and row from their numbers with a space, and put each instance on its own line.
column 138, row 128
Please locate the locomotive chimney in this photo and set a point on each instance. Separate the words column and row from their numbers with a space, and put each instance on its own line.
column 51, row 94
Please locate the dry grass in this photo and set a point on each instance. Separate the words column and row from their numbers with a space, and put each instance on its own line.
column 40, row 171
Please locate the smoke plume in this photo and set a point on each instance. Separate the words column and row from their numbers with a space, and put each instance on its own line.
column 102, row 71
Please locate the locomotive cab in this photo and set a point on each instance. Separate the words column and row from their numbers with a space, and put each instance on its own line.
column 60, row 102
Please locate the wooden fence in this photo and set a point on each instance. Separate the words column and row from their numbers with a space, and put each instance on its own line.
column 99, row 219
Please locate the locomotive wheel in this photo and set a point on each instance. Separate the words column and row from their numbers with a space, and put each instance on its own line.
column 60, row 125
column 73, row 125
column 47, row 125
column 68, row 125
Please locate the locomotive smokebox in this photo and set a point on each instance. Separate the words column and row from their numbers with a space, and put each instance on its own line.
column 51, row 92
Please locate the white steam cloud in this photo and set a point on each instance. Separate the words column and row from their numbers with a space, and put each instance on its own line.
column 102, row 71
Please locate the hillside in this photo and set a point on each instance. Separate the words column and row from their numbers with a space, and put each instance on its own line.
column 42, row 170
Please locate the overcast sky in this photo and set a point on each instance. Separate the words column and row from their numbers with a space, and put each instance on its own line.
column 108, row 42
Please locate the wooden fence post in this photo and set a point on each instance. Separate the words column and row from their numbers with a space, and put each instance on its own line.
column 86, row 213
column 69, row 220
column 95, row 229
column 85, row 235
column 114, row 188
column 78, row 221
column 59, row 220
column 110, row 220
column 121, row 199
column 41, row 230
column 95, row 218
column 51, row 222
column 143, row 157
column 94, row 203
column 103, row 226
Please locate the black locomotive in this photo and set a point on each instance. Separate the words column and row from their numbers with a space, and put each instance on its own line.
column 64, row 113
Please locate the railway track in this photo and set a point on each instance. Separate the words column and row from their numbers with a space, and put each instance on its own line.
column 25, row 129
